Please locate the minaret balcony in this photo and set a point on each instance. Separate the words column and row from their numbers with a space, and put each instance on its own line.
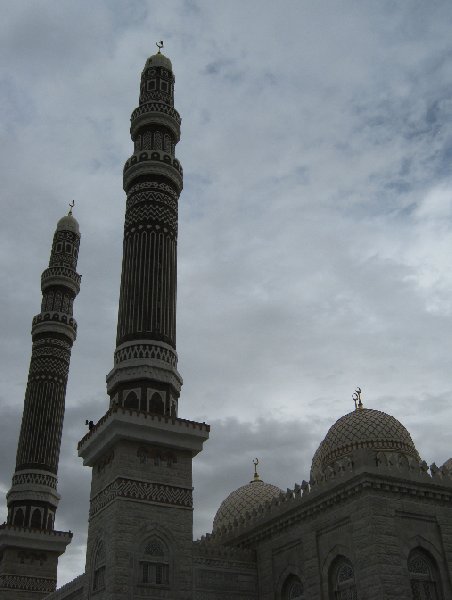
column 55, row 322
column 155, row 113
column 34, row 539
column 154, row 362
column 153, row 163
column 28, row 494
column 61, row 276
column 120, row 423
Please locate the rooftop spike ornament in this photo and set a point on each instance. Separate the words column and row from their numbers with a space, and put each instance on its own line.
column 256, row 474
column 357, row 399
column 159, row 46
column 71, row 206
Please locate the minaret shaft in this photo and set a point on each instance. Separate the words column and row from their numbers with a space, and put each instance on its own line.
column 148, row 288
column 53, row 333
column 145, row 375
column 32, row 500
column 42, row 421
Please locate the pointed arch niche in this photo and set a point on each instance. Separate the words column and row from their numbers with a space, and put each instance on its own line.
column 293, row 589
column 19, row 517
column 342, row 584
column 131, row 400
column 156, row 404
column 424, row 576
column 154, row 563
column 98, row 583
column 36, row 518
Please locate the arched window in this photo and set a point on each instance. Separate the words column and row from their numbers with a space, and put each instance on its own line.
column 342, row 580
column 146, row 143
column 19, row 518
column 423, row 576
column 131, row 401
column 156, row 404
column 99, row 568
column 293, row 589
column 158, row 140
column 154, row 565
column 36, row 519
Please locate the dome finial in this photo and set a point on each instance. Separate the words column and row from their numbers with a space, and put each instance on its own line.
column 159, row 46
column 71, row 206
column 357, row 399
column 256, row 474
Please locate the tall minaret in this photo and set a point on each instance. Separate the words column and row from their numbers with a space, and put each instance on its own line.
column 141, row 522
column 29, row 545
column 145, row 374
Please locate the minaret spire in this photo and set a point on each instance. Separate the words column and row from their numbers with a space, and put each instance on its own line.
column 33, row 498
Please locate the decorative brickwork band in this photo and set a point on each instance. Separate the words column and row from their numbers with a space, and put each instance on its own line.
column 147, row 491
column 24, row 478
column 28, row 584
column 153, row 107
column 144, row 351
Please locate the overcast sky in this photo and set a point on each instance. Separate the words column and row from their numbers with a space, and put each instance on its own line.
column 315, row 233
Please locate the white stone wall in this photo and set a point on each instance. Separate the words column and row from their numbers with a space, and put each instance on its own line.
column 136, row 495
column 374, row 529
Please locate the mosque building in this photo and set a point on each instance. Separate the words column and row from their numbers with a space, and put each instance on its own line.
column 372, row 520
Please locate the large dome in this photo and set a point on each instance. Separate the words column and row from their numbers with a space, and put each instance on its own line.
column 363, row 428
column 244, row 499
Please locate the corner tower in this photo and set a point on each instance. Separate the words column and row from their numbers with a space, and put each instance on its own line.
column 140, row 533
column 29, row 545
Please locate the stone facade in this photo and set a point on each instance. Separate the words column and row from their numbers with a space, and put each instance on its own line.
column 373, row 522
column 141, row 504
column 375, row 529
column 387, row 528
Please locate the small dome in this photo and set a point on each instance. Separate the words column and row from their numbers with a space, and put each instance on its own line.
column 447, row 466
column 363, row 428
column 159, row 60
column 68, row 223
column 244, row 499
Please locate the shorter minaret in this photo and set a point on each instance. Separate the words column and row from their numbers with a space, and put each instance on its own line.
column 29, row 545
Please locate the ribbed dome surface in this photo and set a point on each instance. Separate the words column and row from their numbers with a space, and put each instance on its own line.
column 159, row 60
column 243, row 499
column 363, row 428
column 68, row 223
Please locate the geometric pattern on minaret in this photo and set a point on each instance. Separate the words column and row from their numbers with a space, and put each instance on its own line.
column 33, row 498
column 29, row 544
column 145, row 375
